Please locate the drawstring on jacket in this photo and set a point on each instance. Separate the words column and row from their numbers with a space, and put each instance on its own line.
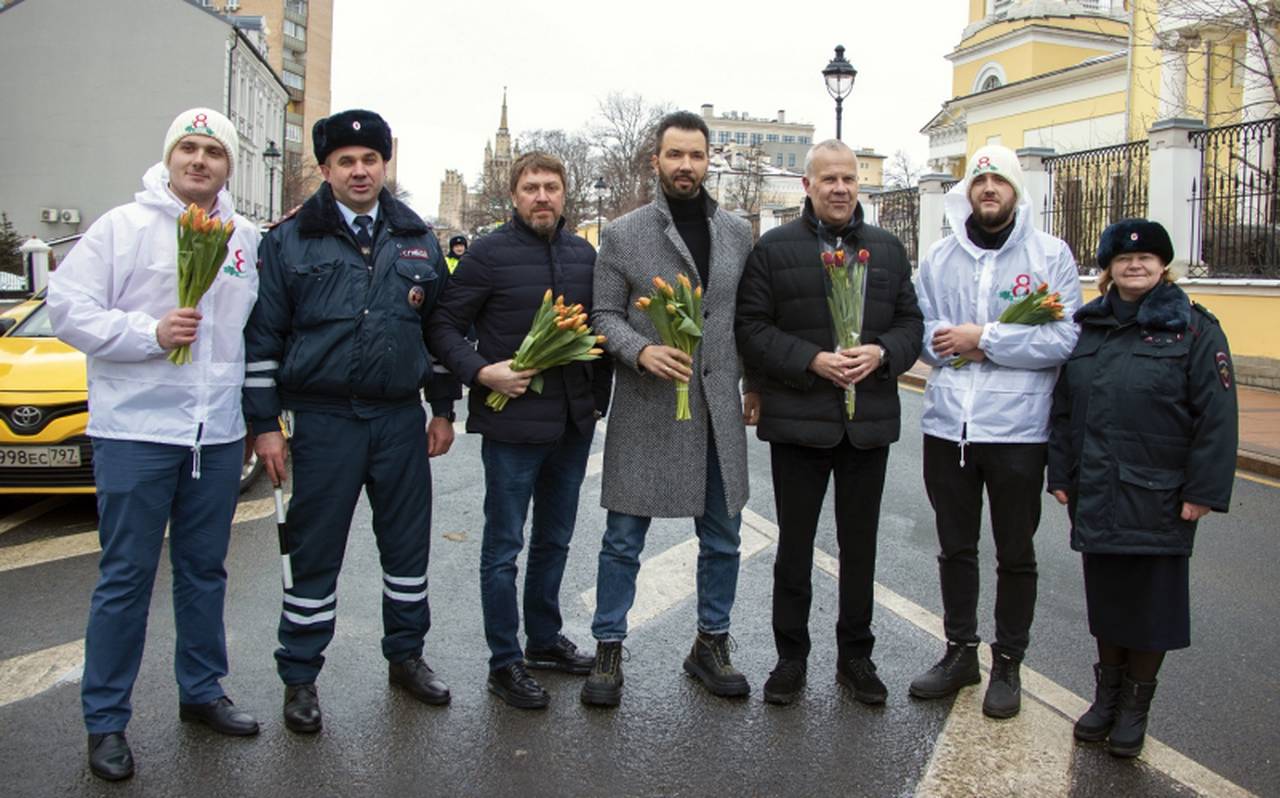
column 195, row 452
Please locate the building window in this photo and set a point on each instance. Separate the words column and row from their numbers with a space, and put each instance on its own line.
column 773, row 137
column 803, row 139
column 293, row 80
column 777, row 159
column 788, row 139
column 791, row 160
column 740, row 137
column 991, row 76
column 992, row 82
column 295, row 30
column 293, row 132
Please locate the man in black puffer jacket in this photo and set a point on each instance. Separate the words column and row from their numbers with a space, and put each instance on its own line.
column 537, row 446
column 787, row 340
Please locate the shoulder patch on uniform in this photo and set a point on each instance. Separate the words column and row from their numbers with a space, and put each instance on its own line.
column 1204, row 312
column 417, row 253
column 1223, row 364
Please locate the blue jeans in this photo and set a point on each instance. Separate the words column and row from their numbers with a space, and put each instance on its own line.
column 142, row 487
column 718, row 543
column 551, row 475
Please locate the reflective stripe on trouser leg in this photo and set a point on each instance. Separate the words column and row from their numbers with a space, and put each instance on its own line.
column 325, row 491
column 399, row 490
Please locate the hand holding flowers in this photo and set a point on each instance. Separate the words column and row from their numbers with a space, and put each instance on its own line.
column 676, row 313
column 846, row 286
column 1038, row 307
column 558, row 335
column 202, row 247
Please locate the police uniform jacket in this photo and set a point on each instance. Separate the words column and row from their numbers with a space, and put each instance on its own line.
column 783, row 322
column 338, row 332
column 1144, row 419
column 498, row 287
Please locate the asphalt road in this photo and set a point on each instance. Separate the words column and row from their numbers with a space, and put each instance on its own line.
column 1215, row 726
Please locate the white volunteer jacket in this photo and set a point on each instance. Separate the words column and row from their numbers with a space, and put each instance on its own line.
column 1006, row 398
column 106, row 299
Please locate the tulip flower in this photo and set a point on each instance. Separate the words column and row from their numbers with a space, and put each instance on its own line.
column 559, row 335
column 202, row 249
column 846, row 287
column 676, row 313
column 1038, row 307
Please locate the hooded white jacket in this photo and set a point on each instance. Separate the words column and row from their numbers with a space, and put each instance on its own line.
column 1005, row 398
column 106, row 299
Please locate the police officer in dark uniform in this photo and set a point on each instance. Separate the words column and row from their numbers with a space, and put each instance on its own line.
column 1143, row 445
column 337, row 337
column 457, row 248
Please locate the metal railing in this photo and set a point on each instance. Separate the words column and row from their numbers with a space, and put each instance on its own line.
column 1234, row 201
column 1089, row 190
column 899, row 213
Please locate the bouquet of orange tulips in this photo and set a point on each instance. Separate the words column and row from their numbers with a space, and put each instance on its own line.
column 202, row 247
column 1038, row 307
column 559, row 335
column 676, row 311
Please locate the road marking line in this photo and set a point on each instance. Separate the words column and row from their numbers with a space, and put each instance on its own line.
column 30, row 674
column 1270, row 483
column 595, row 464
column 28, row 513
column 40, row 552
column 973, row 747
column 668, row 578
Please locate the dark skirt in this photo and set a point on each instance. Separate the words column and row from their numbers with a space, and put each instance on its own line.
column 1139, row 602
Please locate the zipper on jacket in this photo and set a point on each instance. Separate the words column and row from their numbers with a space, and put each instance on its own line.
column 195, row 451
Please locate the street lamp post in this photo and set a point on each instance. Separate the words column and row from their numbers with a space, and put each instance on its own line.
column 599, row 186
column 271, row 154
column 839, row 76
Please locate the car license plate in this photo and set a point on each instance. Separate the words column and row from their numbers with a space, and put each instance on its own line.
column 39, row 456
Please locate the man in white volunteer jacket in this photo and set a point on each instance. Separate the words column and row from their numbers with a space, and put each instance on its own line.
column 168, row 441
column 986, row 422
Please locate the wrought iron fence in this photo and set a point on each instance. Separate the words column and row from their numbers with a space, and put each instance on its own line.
column 899, row 213
column 1089, row 190
column 947, row 185
column 1234, row 202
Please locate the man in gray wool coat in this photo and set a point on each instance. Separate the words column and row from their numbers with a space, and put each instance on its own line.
column 655, row 466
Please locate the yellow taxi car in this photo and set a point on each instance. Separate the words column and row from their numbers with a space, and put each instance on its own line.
column 44, row 408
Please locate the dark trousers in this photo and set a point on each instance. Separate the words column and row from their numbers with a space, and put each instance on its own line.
column 550, row 474
column 800, row 476
column 142, row 487
column 1013, row 474
column 333, row 459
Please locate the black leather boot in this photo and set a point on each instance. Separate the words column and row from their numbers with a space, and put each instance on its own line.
column 1130, row 728
column 603, row 687
column 1093, row 725
column 709, row 663
column 957, row 668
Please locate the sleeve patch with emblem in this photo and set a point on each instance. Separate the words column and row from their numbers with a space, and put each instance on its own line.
column 1223, row 364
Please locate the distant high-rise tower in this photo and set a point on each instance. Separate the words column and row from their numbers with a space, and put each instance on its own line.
column 299, row 49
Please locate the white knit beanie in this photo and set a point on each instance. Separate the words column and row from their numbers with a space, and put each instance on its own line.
column 203, row 122
column 996, row 160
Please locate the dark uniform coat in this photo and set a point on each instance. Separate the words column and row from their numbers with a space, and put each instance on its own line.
column 1144, row 418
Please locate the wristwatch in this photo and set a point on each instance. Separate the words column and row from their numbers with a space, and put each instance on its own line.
column 884, row 355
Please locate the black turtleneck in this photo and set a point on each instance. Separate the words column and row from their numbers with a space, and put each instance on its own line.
column 690, row 216
column 985, row 238
column 1124, row 311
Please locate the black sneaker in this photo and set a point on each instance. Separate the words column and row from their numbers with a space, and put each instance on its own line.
column 786, row 681
column 603, row 687
column 562, row 655
column 1004, row 691
column 709, row 663
column 957, row 668
column 514, row 685
column 859, row 675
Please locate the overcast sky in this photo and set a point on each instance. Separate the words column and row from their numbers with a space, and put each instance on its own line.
column 435, row 68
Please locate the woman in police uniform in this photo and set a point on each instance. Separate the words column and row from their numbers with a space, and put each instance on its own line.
column 1143, row 445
